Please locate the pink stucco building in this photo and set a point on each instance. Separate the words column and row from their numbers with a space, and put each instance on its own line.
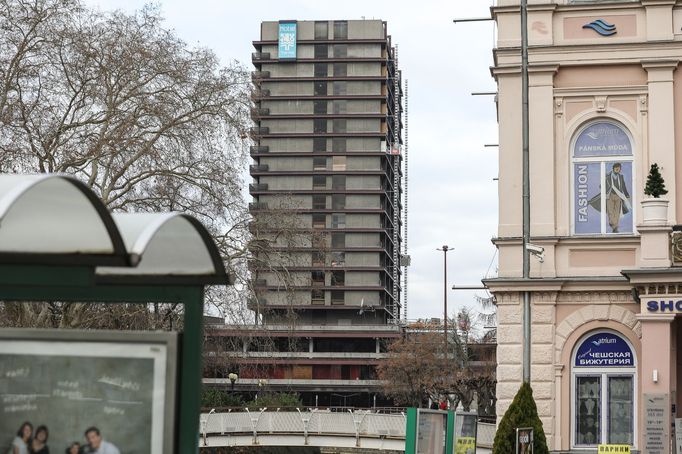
column 605, row 103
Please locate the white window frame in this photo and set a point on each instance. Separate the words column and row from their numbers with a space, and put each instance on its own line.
column 603, row 373
column 602, row 161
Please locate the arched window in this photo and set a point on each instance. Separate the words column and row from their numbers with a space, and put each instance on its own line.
column 603, row 391
column 602, row 180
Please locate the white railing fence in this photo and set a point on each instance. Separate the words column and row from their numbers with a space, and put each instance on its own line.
column 314, row 422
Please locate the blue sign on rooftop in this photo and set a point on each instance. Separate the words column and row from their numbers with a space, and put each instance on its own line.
column 287, row 40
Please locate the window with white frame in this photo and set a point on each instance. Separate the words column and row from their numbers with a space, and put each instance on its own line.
column 602, row 180
column 603, row 390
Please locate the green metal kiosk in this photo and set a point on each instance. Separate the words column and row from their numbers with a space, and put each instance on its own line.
column 440, row 432
column 59, row 243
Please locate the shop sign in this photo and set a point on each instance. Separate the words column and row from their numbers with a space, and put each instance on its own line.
column 465, row 445
column 286, row 48
column 524, row 440
column 662, row 305
column 604, row 350
column 678, row 435
column 607, row 449
column 656, row 423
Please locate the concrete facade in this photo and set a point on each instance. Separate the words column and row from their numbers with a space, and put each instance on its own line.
column 585, row 82
column 324, row 201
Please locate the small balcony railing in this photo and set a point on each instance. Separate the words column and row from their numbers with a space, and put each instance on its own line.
column 259, row 148
column 260, row 94
column 259, row 168
column 254, row 206
column 258, row 75
column 259, row 112
column 259, row 131
column 260, row 283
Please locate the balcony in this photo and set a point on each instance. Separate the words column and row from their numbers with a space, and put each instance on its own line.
column 259, row 149
column 256, row 168
column 260, row 94
column 260, row 56
column 258, row 187
column 258, row 75
column 255, row 206
column 259, row 112
column 259, row 131
column 260, row 283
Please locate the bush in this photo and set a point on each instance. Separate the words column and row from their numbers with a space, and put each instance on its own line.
column 655, row 185
column 275, row 400
column 521, row 413
column 215, row 398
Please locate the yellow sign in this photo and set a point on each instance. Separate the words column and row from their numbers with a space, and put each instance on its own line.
column 465, row 445
column 607, row 449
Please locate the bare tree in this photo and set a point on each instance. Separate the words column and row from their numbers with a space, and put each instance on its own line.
column 149, row 123
column 414, row 369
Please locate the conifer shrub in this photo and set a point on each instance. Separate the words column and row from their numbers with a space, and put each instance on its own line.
column 655, row 185
column 521, row 413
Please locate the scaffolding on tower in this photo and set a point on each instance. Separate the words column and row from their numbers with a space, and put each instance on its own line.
column 395, row 152
column 405, row 258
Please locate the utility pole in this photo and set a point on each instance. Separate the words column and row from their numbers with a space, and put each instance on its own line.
column 526, row 188
column 445, row 248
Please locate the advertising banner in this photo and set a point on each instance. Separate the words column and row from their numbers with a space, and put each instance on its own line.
column 602, row 180
column 95, row 394
column 287, row 41
column 602, row 139
column 604, row 350
column 617, row 449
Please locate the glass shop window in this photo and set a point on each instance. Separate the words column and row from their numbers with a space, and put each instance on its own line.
column 603, row 391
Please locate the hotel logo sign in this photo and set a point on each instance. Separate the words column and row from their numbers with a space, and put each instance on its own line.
column 602, row 27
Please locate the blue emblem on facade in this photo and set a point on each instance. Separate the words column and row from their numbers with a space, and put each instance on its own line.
column 602, row 27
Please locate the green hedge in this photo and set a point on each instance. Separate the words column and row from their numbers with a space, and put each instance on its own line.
column 521, row 413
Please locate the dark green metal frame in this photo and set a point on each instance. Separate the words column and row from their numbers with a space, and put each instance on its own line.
column 32, row 283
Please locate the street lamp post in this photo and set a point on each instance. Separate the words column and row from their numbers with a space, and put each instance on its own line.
column 233, row 378
column 445, row 248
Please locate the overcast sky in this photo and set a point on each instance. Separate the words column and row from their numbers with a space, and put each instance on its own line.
column 452, row 195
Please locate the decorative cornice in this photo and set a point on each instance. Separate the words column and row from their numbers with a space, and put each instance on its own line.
column 594, row 296
column 658, row 318
column 578, row 240
column 658, row 2
column 507, row 297
column 662, row 64
column 634, row 90
column 543, row 68
column 544, row 297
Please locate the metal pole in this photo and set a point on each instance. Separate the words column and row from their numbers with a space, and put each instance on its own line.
column 445, row 248
column 526, row 187
column 445, row 300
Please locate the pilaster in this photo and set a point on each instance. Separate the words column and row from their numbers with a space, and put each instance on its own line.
column 661, row 146
column 541, row 123
column 659, row 19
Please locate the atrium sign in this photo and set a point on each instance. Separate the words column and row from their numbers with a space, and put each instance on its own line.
column 604, row 349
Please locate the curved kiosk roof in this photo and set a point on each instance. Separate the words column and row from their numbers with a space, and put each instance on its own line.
column 56, row 219
column 58, row 242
